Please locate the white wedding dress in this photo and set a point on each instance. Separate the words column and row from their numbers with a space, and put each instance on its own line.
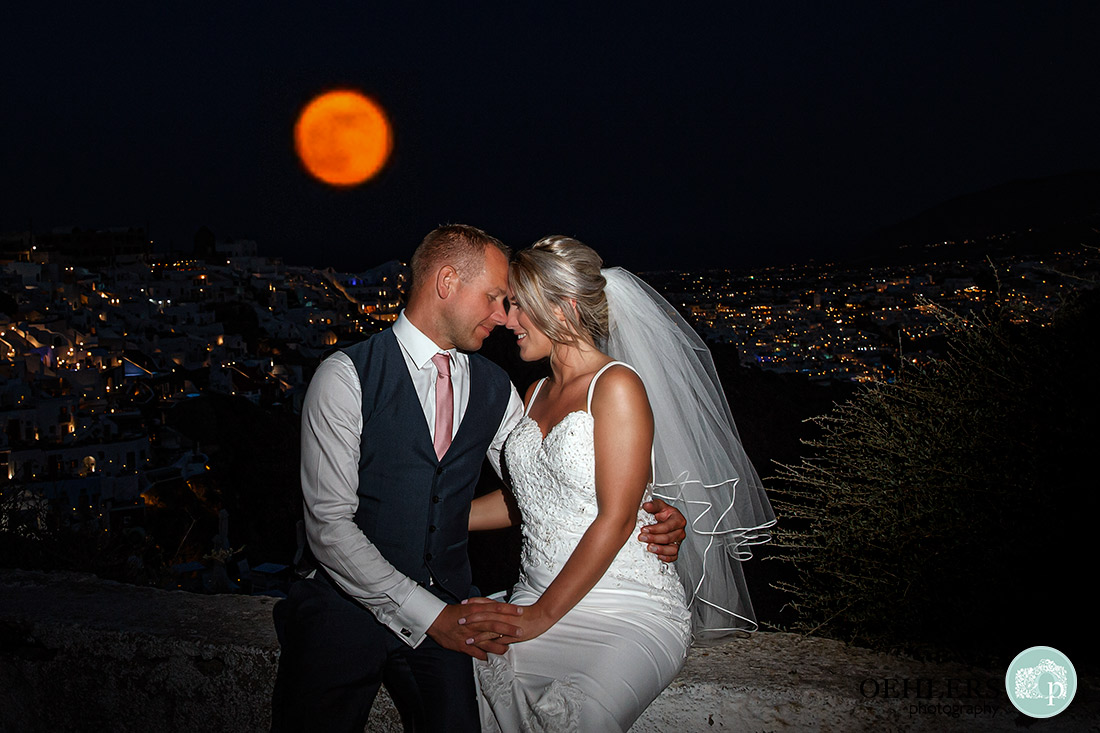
column 604, row 662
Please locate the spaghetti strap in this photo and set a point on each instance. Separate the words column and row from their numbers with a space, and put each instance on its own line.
column 592, row 388
column 527, row 409
column 604, row 368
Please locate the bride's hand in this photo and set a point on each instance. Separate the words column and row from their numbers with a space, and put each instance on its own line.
column 490, row 625
column 535, row 621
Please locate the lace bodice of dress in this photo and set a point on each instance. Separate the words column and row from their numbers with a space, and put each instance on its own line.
column 606, row 659
column 553, row 480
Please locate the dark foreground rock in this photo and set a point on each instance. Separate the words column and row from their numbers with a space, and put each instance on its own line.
column 82, row 654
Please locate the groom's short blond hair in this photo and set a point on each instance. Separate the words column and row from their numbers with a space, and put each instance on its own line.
column 459, row 245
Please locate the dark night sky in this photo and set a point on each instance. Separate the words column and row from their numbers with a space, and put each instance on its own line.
column 676, row 136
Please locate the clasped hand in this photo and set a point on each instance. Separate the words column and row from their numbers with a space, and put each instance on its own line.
column 461, row 628
column 535, row 623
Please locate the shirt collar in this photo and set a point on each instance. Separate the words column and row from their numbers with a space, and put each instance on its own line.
column 420, row 348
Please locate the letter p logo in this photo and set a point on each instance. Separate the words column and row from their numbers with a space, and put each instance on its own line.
column 1050, row 690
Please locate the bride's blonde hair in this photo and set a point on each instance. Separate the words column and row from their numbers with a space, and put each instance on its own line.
column 559, row 271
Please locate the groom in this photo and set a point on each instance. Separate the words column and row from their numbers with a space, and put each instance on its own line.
column 394, row 431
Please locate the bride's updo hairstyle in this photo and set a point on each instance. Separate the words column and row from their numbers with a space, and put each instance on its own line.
column 558, row 271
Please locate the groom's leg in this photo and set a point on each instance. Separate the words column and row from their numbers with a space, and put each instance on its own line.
column 433, row 689
column 331, row 662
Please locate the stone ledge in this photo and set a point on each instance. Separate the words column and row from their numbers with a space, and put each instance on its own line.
column 81, row 653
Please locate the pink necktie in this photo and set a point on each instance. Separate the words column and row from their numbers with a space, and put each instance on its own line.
column 444, row 404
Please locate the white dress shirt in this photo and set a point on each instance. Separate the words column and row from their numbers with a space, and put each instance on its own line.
column 332, row 425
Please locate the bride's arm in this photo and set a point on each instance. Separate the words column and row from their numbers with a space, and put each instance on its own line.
column 623, row 427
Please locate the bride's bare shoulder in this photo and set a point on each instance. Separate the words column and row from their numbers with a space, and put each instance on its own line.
column 618, row 387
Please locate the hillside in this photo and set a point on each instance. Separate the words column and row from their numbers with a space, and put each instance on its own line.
column 1027, row 216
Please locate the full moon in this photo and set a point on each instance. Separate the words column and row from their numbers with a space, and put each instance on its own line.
column 343, row 137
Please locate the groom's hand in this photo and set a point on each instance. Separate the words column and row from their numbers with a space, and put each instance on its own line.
column 664, row 537
column 452, row 631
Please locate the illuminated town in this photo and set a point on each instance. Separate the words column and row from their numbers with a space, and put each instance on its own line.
column 100, row 339
column 840, row 322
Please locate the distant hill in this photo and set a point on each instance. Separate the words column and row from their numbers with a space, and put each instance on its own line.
column 1027, row 216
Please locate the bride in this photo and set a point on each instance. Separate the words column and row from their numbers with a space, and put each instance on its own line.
column 606, row 625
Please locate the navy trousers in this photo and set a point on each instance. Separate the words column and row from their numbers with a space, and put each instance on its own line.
column 335, row 654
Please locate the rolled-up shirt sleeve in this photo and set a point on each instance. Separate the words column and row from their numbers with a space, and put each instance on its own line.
column 332, row 422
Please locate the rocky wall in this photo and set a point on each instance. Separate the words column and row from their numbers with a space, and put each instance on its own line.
column 78, row 653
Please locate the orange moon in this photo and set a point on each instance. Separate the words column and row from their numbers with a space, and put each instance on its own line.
column 343, row 137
